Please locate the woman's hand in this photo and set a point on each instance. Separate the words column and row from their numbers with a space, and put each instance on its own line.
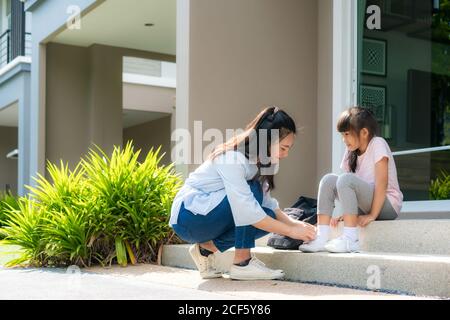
column 335, row 221
column 364, row 220
column 302, row 231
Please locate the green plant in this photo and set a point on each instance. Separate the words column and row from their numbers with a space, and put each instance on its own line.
column 132, row 200
column 106, row 209
column 23, row 227
column 440, row 187
column 7, row 201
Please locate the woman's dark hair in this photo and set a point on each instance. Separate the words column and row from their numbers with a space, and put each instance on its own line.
column 354, row 120
column 271, row 118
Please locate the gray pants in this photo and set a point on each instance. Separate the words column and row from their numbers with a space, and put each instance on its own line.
column 354, row 194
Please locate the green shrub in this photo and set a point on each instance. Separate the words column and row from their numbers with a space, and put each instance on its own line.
column 440, row 188
column 23, row 227
column 108, row 209
column 7, row 201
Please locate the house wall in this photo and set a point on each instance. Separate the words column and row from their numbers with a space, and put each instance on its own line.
column 84, row 98
column 8, row 167
column 244, row 55
column 67, row 103
column 148, row 98
column 151, row 134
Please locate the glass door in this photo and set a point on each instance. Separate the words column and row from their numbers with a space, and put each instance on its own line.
column 404, row 78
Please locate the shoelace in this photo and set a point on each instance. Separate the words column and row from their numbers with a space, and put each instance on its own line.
column 261, row 264
column 257, row 261
column 211, row 263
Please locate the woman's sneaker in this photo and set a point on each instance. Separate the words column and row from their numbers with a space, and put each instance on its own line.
column 255, row 270
column 342, row 245
column 317, row 245
column 206, row 265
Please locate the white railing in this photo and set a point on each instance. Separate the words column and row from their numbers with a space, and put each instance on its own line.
column 424, row 150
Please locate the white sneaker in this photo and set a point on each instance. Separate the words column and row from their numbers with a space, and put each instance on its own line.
column 255, row 270
column 206, row 265
column 317, row 245
column 342, row 245
column 256, row 260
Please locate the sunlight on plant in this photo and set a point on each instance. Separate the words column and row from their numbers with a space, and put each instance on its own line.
column 106, row 210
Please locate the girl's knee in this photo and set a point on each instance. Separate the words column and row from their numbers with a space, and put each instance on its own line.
column 328, row 180
column 345, row 180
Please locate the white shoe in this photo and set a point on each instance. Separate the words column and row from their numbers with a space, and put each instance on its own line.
column 256, row 260
column 206, row 265
column 317, row 245
column 342, row 245
column 255, row 270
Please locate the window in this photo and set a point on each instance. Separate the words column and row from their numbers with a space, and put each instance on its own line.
column 404, row 77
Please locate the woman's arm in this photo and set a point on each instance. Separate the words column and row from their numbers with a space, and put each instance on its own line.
column 298, row 230
column 381, row 183
column 283, row 217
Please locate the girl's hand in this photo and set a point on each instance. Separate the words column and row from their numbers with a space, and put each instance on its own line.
column 364, row 220
column 302, row 231
column 335, row 221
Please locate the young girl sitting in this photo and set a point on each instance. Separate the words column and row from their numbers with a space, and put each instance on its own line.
column 368, row 191
column 226, row 201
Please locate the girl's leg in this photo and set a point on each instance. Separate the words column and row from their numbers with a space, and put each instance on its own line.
column 327, row 194
column 358, row 196
column 387, row 212
column 354, row 194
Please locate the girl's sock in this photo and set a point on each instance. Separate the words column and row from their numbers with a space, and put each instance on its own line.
column 323, row 232
column 351, row 233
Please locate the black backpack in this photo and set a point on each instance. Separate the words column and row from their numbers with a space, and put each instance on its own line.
column 305, row 209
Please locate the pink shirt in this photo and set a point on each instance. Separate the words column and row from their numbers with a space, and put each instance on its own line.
column 365, row 169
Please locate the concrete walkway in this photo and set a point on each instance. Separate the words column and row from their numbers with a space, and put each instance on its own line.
column 157, row 282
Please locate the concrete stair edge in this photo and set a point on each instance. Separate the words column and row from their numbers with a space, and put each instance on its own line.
column 423, row 275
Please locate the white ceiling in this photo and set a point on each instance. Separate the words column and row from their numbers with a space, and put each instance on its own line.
column 9, row 116
column 122, row 23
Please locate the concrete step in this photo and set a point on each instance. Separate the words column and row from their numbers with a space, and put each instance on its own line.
column 423, row 275
column 430, row 237
column 425, row 210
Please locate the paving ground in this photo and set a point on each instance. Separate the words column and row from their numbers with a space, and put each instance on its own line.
column 157, row 282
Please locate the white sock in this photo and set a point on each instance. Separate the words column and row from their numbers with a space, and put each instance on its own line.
column 351, row 233
column 323, row 232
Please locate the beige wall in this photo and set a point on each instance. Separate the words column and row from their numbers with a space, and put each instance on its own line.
column 248, row 54
column 151, row 134
column 67, row 103
column 8, row 167
column 84, row 98
column 148, row 98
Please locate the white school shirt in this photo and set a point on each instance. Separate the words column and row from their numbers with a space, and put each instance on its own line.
column 227, row 175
